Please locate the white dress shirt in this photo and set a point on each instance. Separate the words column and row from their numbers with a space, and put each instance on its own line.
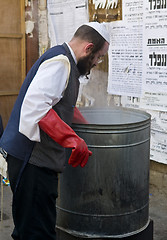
column 45, row 90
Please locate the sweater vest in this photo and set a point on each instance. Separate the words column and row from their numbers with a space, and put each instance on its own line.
column 47, row 153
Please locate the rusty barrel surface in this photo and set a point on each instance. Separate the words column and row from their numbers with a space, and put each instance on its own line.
column 109, row 197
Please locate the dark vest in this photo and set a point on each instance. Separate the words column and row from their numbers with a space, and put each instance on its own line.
column 47, row 153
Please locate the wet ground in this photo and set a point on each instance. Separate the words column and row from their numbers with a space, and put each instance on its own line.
column 158, row 213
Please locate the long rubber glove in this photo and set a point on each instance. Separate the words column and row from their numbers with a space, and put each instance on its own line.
column 78, row 117
column 63, row 134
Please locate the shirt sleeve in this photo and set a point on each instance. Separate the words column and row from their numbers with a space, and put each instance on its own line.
column 45, row 90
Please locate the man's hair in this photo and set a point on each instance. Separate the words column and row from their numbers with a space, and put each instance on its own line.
column 91, row 35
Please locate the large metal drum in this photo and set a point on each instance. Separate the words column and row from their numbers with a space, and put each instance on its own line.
column 109, row 197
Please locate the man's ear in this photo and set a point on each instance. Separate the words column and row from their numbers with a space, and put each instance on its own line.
column 88, row 48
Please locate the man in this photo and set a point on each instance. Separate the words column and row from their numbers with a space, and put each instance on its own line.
column 38, row 131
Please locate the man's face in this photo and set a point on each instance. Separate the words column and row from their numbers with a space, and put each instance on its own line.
column 85, row 64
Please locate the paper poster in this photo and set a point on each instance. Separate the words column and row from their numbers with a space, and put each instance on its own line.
column 155, row 47
column 125, row 59
column 64, row 18
column 150, row 84
column 155, row 56
column 132, row 11
column 154, row 101
column 158, row 146
column 130, row 102
column 158, row 137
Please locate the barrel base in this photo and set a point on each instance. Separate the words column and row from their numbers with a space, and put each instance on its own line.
column 146, row 234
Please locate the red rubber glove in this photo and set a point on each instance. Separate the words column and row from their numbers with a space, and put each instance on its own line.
column 78, row 117
column 63, row 134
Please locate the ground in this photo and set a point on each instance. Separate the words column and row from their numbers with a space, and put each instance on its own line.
column 158, row 213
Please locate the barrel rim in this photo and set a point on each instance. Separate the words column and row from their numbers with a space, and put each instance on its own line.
column 113, row 125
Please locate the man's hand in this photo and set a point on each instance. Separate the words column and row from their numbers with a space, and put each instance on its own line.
column 63, row 134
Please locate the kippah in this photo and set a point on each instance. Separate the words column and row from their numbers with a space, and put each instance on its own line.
column 100, row 28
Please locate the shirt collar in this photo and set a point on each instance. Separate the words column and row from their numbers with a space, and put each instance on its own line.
column 72, row 53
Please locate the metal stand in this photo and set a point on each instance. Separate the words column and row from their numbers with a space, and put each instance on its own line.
column 146, row 234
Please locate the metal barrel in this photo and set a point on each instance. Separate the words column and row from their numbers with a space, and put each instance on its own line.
column 109, row 197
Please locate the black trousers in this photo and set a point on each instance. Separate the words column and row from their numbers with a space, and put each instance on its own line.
column 34, row 201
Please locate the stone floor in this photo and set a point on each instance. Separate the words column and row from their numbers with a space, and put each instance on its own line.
column 158, row 213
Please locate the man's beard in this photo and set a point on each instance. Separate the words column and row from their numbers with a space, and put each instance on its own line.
column 85, row 64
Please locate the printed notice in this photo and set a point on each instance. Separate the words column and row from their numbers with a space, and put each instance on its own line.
column 153, row 86
column 155, row 54
column 132, row 10
column 125, row 59
column 154, row 101
column 158, row 146
column 64, row 18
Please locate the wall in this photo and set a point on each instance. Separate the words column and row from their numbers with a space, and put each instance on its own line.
column 94, row 91
column 31, row 30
